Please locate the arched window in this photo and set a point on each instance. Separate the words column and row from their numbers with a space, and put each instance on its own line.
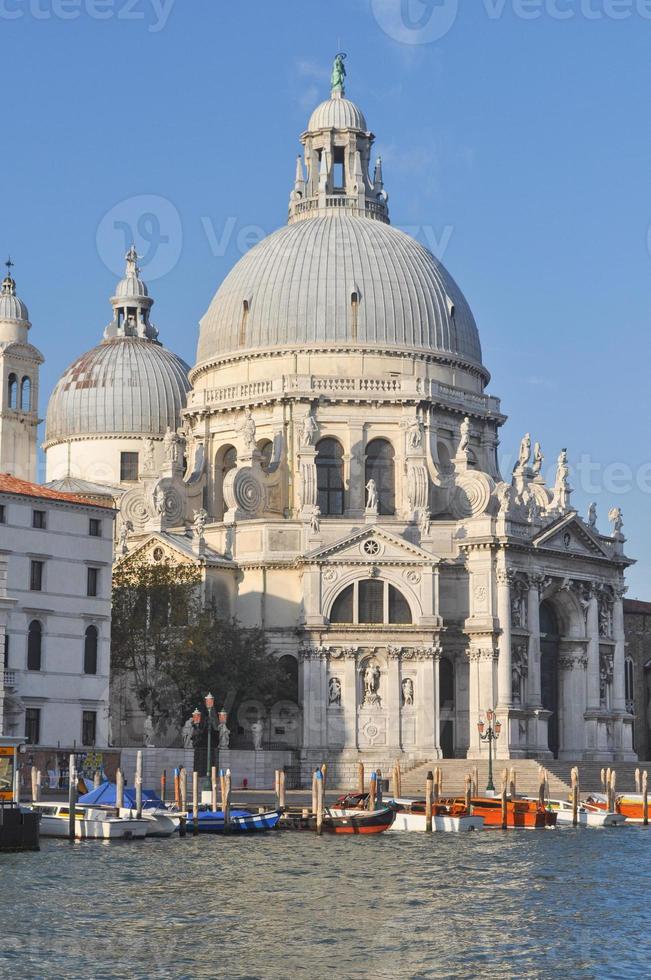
column 446, row 683
column 380, row 467
column 25, row 394
column 370, row 601
column 225, row 460
column 34, row 645
column 266, row 450
column 90, row 650
column 229, row 460
column 12, row 391
column 330, row 477
column 445, row 460
column 629, row 684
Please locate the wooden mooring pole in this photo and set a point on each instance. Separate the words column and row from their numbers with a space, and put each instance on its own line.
column 183, row 788
column 282, row 790
column 72, row 797
column 34, row 777
column 541, row 786
column 645, row 798
column 475, row 780
column 163, row 785
column 512, row 784
column 119, row 789
column 503, row 799
column 468, row 800
column 213, row 788
column 319, row 802
column 429, row 799
column 372, row 791
column 638, row 780
column 314, row 790
column 177, row 788
column 575, row 797
column 227, row 804
column 138, row 785
column 360, row 777
column 397, row 783
column 195, row 803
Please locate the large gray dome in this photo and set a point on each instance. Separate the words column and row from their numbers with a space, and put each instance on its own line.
column 125, row 385
column 295, row 290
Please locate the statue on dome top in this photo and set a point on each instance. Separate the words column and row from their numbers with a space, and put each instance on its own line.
column 132, row 262
column 524, row 455
column 339, row 75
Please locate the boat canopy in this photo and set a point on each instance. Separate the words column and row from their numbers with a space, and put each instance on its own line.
column 105, row 795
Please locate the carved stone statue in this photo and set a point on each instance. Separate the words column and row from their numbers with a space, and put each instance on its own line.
column 338, row 74
column 415, row 433
column 525, row 454
column 464, row 442
column 309, row 431
column 171, row 445
column 315, row 520
column 538, row 460
column 562, row 488
column 407, row 692
column 149, row 455
column 372, row 497
column 504, row 493
column 371, row 679
column 616, row 518
column 160, row 499
column 148, row 733
column 125, row 531
column 334, row 692
column 257, row 730
column 199, row 525
column 248, row 428
column 187, row 733
column 425, row 524
column 592, row 514
column 224, row 734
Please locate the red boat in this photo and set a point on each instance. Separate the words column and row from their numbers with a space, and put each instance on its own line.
column 363, row 822
column 527, row 814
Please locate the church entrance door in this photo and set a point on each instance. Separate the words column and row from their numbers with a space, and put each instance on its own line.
column 549, row 644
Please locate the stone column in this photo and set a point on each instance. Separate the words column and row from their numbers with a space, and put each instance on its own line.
column 504, row 643
column 533, row 699
column 315, row 732
column 592, row 632
column 426, row 734
column 349, row 699
column 481, row 697
column 393, row 698
column 356, row 493
column 572, row 664
column 619, row 687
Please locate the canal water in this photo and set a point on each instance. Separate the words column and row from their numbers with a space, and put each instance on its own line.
column 571, row 903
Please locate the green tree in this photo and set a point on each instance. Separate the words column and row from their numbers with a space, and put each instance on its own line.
column 176, row 648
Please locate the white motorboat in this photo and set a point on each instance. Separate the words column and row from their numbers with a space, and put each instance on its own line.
column 588, row 816
column 160, row 822
column 410, row 816
column 91, row 823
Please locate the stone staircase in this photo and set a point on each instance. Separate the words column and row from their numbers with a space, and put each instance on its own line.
column 454, row 772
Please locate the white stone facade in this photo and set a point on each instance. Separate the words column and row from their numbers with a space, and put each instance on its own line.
column 56, row 661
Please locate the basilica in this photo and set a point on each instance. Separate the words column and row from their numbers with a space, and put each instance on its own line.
column 330, row 463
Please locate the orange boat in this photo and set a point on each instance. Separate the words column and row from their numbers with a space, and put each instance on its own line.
column 527, row 814
column 630, row 805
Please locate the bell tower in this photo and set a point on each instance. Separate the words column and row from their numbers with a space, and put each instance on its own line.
column 19, row 370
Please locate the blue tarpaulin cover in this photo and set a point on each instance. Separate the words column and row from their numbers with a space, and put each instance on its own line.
column 104, row 795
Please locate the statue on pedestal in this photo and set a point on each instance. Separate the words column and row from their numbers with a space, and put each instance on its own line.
column 257, row 731
column 372, row 497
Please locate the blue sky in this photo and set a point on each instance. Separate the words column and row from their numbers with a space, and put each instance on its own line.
column 516, row 141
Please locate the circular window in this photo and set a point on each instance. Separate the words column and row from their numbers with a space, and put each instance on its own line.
column 158, row 554
column 371, row 548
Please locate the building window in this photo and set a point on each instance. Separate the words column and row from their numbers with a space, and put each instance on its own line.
column 330, row 477
column 95, row 527
column 92, row 586
column 88, row 727
column 5, row 654
column 33, row 725
column 34, row 645
column 266, row 450
column 25, row 394
column 12, row 391
column 128, row 467
column 39, row 519
column 3, row 514
column 36, row 576
column 380, row 467
column 371, row 602
column 90, row 650
column 629, row 685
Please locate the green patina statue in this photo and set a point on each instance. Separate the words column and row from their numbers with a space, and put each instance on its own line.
column 339, row 74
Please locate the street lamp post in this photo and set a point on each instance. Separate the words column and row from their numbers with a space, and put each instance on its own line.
column 490, row 735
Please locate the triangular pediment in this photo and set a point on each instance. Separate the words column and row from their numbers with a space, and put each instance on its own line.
column 570, row 535
column 159, row 546
column 371, row 544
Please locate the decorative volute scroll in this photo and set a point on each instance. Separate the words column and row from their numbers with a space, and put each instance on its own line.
column 472, row 494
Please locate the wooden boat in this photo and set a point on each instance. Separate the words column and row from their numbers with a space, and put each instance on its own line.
column 520, row 813
column 410, row 814
column 241, row 822
column 589, row 815
column 90, row 823
column 348, row 822
column 629, row 805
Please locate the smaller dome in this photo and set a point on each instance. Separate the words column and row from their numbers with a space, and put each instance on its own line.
column 337, row 113
column 131, row 287
column 11, row 307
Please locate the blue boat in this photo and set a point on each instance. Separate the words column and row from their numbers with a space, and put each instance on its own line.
column 241, row 822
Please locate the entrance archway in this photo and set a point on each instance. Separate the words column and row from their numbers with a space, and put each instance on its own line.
column 549, row 645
